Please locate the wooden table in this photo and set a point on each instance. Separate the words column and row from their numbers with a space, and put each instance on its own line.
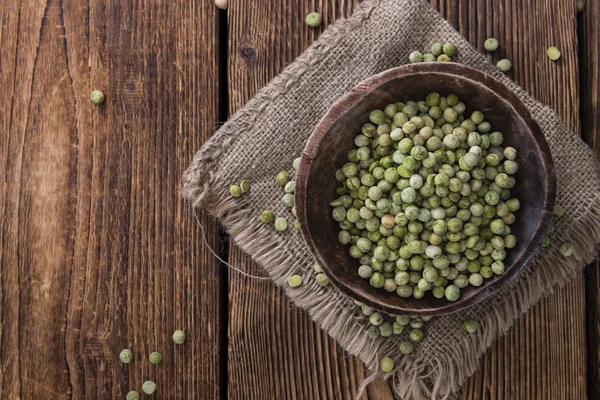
column 98, row 253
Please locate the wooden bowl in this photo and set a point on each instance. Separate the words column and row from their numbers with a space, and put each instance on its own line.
column 327, row 148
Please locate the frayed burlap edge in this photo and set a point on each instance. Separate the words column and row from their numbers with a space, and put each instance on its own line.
column 413, row 377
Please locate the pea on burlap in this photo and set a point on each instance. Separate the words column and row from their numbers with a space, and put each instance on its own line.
column 266, row 135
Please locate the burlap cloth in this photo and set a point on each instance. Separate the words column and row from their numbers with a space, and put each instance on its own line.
column 271, row 130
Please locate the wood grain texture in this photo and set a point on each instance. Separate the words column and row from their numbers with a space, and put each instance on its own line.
column 543, row 355
column 589, row 34
column 275, row 350
column 97, row 251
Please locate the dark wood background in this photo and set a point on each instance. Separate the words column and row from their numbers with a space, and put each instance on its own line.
column 98, row 253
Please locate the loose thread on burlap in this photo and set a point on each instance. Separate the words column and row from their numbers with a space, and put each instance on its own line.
column 223, row 262
column 363, row 385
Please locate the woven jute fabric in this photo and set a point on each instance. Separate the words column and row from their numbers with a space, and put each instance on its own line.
column 266, row 135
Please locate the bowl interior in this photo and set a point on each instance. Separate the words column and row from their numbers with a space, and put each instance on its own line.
column 327, row 151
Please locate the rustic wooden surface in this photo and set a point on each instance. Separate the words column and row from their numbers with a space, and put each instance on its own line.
column 98, row 253
column 589, row 36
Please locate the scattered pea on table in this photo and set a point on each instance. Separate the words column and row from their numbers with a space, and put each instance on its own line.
column 491, row 45
column 314, row 20
column 126, row 356
column 97, row 97
column 179, row 336
column 149, row 387
column 155, row 358
column 504, row 65
column 553, row 53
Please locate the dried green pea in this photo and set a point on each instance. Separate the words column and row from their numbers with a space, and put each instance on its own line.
column 317, row 268
column 296, row 163
column 437, row 48
column 558, row 211
column 415, row 57
column 283, row 178
column 566, row 249
column 179, row 336
column 149, row 387
column 132, row 395
column 444, row 58
column 373, row 332
column 288, row 200
column 504, row 65
column 452, row 293
column 385, row 329
column 281, row 224
column 491, row 45
column 245, row 186
column 406, row 347
column 235, row 191
column 416, row 335
column 290, row 187
column 97, row 97
column 155, row 358
column 470, row 326
column 553, row 53
column 314, row 20
column 294, row 281
column 449, row 49
column 428, row 57
column 126, row 356
column 580, row 5
column 321, row 279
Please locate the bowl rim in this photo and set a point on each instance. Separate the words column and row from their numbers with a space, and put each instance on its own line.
column 356, row 95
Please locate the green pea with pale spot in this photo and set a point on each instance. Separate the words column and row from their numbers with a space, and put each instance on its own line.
column 126, row 356
column 149, row 387
column 415, row 57
column 470, row 326
column 283, row 178
column 491, row 45
column 504, row 65
column 281, row 224
column 97, row 97
column 266, row 216
column 405, row 347
column 155, row 358
column 566, row 249
column 314, row 20
column 179, row 337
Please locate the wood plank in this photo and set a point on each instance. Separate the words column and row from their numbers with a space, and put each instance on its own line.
column 543, row 356
column 275, row 350
column 97, row 251
column 589, row 33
